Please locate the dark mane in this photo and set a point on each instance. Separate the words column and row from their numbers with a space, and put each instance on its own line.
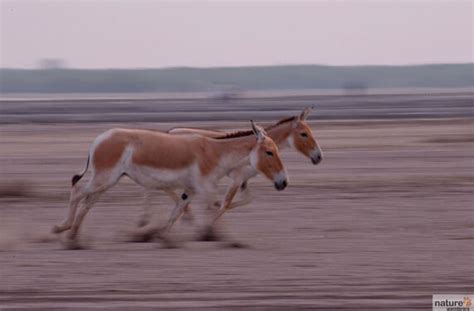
column 250, row 132
column 192, row 128
column 236, row 134
column 289, row 119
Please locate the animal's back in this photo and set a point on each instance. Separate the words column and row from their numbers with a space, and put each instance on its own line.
column 148, row 148
column 191, row 131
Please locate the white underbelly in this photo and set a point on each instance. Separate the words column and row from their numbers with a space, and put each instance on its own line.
column 159, row 178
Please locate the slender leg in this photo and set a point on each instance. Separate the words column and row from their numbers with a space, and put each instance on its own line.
column 187, row 214
column 230, row 194
column 96, row 186
column 175, row 214
column 77, row 194
column 245, row 194
column 88, row 203
column 179, row 209
column 148, row 232
column 210, row 234
column 146, row 209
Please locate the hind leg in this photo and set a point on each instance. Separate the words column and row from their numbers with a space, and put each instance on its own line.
column 77, row 194
column 89, row 201
column 96, row 187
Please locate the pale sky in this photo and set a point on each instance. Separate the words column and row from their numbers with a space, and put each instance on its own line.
column 153, row 34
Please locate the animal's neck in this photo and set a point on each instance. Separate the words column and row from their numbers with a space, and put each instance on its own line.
column 231, row 153
column 280, row 133
column 240, row 146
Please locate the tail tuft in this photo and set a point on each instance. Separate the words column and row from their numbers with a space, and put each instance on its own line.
column 78, row 177
column 75, row 179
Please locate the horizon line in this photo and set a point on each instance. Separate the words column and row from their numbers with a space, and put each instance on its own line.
column 235, row 67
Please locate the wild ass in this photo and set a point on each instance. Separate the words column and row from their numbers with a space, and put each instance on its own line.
column 291, row 132
column 158, row 160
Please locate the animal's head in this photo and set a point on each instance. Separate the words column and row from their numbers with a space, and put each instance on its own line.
column 265, row 158
column 302, row 138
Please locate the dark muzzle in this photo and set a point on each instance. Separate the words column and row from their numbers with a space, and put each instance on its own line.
column 316, row 159
column 281, row 185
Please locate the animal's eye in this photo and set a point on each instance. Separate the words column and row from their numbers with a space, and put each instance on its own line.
column 304, row 135
column 269, row 153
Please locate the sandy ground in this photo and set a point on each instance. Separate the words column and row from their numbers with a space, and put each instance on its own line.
column 385, row 221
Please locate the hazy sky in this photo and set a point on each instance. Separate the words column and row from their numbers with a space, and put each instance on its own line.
column 125, row 34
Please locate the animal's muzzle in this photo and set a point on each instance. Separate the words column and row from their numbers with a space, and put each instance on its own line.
column 280, row 185
column 316, row 158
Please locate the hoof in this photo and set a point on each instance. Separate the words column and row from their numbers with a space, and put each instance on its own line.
column 209, row 235
column 145, row 238
column 72, row 244
column 140, row 238
column 168, row 244
column 235, row 245
column 57, row 229
column 142, row 223
column 140, row 235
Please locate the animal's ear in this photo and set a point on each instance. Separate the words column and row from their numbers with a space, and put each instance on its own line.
column 258, row 131
column 304, row 114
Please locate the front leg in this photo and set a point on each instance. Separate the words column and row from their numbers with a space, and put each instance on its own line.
column 146, row 209
column 148, row 229
column 245, row 198
column 209, row 234
column 226, row 204
column 180, row 207
column 187, row 213
column 245, row 194
column 243, row 176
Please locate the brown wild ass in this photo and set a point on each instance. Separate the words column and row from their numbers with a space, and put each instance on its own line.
column 291, row 132
column 158, row 160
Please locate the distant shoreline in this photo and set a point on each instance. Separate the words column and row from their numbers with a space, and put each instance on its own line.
column 248, row 66
column 234, row 82
column 246, row 95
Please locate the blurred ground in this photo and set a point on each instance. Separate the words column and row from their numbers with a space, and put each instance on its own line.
column 385, row 221
column 268, row 106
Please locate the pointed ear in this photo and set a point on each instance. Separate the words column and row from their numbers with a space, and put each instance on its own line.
column 304, row 114
column 258, row 131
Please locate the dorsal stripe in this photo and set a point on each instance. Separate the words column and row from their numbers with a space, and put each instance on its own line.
column 250, row 132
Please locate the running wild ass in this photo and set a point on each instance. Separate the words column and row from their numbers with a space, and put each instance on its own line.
column 291, row 132
column 164, row 161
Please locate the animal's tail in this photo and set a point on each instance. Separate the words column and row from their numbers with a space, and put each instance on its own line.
column 78, row 177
